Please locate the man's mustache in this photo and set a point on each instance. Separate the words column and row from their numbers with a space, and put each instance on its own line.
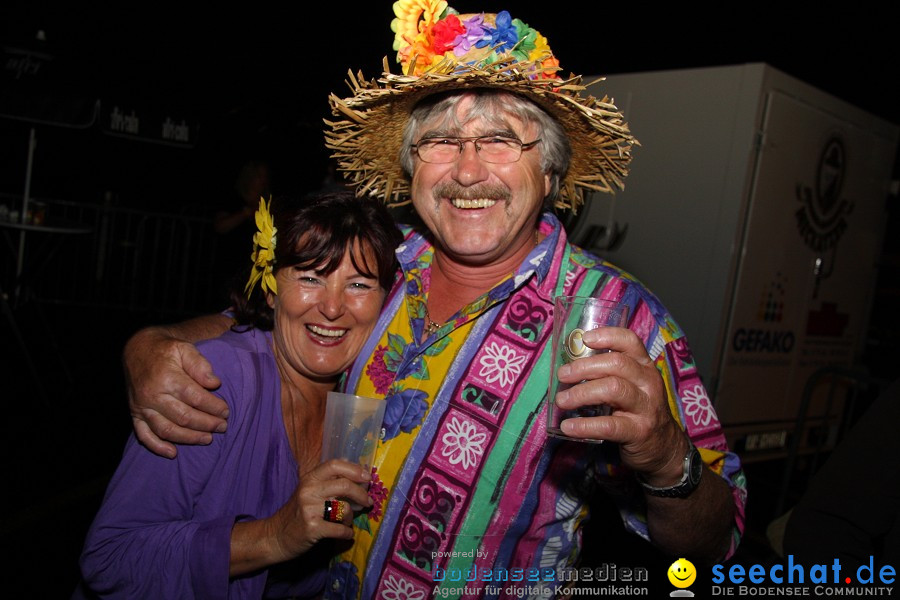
column 476, row 192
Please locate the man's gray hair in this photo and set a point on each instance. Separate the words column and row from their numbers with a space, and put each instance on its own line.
column 495, row 107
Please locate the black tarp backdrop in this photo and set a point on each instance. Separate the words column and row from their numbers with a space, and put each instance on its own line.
column 256, row 79
column 79, row 141
column 35, row 100
column 147, row 135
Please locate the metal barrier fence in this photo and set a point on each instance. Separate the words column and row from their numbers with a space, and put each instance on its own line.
column 128, row 259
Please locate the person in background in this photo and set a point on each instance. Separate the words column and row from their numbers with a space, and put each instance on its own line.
column 849, row 511
column 233, row 223
column 224, row 520
column 251, row 184
column 485, row 139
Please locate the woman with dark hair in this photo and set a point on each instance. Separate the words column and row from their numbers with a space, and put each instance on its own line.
column 229, row 518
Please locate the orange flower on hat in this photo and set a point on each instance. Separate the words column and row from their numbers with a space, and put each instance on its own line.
column 423, row 52
column 551, row 68
column 413, row 16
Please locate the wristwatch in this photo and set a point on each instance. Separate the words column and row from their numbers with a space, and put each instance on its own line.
column 690, row 478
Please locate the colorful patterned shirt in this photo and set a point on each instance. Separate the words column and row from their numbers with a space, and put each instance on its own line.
column 466, row 480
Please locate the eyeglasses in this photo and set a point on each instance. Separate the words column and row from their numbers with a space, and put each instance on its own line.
column 490, row 148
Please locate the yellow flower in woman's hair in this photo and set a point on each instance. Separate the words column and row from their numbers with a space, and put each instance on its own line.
column 263, row 255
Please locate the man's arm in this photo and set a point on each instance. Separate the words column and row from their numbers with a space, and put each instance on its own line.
column 168, row 385
column 651, row 442
column 699, row 526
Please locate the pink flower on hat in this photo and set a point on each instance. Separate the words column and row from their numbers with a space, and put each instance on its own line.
column 445, row 33
column 474, row 33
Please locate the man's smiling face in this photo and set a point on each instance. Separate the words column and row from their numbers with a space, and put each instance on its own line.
column 480, row 212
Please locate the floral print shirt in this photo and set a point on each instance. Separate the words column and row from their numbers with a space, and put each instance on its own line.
column 465, row 478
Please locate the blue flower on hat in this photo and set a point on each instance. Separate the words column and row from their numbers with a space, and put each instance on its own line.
column 504, row 36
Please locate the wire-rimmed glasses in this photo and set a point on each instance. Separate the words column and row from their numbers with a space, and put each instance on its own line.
column 491, row 148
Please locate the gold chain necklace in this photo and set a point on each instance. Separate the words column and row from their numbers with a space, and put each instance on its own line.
column 431, row 327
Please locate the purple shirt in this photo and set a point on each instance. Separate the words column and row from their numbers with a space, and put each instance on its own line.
column 164, row 529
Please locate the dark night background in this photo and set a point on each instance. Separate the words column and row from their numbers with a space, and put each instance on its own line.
column 255, row 79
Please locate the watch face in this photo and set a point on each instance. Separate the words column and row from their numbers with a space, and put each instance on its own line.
column 690, row 478
column 696, row 466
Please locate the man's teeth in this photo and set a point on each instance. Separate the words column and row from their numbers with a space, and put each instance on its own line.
column 335, row 333
column 478, row 203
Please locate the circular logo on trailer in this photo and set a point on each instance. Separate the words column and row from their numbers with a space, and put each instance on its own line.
column 821, row 219
column 830, row 176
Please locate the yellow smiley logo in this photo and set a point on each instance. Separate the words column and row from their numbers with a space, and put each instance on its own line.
column 682, row 573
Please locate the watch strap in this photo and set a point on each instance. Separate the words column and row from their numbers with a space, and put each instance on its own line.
column 690, row 477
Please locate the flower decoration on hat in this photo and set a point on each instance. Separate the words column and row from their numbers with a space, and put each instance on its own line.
column 413, row 24
column 427, row 32
column 263, row 256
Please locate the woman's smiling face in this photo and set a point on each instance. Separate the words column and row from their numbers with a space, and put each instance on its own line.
column 322, row 321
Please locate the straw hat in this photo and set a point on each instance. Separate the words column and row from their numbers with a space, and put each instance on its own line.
column 440, row 50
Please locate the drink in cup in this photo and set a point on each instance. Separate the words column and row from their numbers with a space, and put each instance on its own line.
column 572, row 317
column 352, row 429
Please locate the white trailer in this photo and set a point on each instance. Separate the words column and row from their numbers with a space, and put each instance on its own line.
column 755, row 210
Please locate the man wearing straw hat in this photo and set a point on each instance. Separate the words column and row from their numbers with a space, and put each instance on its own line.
column 484, row 138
